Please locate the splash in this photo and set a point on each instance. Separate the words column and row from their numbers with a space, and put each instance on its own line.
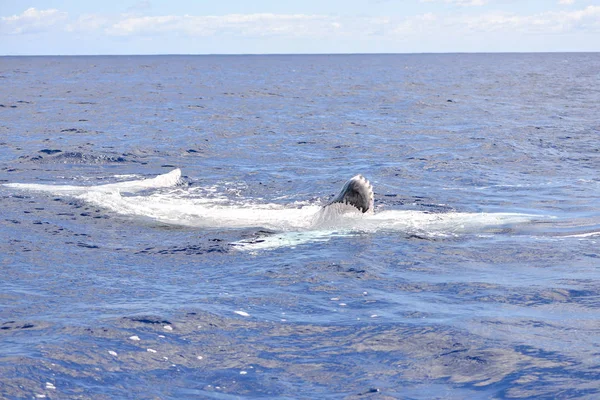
column 163, row 200
column 161, row 181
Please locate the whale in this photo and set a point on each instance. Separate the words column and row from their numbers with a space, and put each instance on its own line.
column 357, row 192
column 167, row 199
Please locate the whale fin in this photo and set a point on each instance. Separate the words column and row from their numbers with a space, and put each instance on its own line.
column 357, row 192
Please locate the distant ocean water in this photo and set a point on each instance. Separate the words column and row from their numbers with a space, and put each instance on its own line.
column 158, row 236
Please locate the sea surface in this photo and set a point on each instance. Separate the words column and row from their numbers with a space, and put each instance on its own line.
column 163, row 235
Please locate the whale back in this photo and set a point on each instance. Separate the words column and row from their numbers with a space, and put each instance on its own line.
column 356, row 192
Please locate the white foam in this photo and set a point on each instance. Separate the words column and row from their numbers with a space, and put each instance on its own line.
column 177, row 209
column 583, row 235
column 296, row 223
column 160, row 181
column 406, row 222
column 450, row 222
column 242, row 313
column 291, row 239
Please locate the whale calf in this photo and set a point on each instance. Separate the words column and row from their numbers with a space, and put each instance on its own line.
column 357, row 192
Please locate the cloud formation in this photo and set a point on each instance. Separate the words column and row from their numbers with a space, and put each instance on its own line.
column 461, row 3
column 314, row 26
column 550, row 22
column 237, row 24
column 32, row 21
column 298, row 25
column 310, row 27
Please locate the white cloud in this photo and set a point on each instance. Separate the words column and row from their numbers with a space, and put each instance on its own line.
column 419, row 24
column 429, row 27
column 550, row 22
column 236, row 24
column 566, row 2
column 88, row 23
column 319, row 26
column 462, row 3
column 32, row 21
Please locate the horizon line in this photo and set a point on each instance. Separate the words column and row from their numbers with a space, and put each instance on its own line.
column 297, row 54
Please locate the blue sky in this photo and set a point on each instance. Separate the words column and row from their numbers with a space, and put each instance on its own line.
column 308, row 26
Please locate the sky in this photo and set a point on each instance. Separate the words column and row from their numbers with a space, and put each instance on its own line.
column 75, row 27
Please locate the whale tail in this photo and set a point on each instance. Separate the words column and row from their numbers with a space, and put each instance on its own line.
column 357, row 192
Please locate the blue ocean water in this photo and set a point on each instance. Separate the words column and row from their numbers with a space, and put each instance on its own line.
column 477, row 276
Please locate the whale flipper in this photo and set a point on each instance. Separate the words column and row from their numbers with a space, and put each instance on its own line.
column 357, row 192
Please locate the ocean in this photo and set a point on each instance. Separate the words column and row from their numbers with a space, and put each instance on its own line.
column 165, row 234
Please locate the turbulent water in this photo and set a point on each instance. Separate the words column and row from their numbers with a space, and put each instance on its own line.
column 163, row 233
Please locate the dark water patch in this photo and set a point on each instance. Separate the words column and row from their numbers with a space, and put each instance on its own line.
column 422, row 236
column 482, row 292
column 256, row 237
column 14, row 325
column 419, row 203
column 87, row 245
column 191, row 249
column 357, row 272
column 319, row 274
column 75, row 157
column 50, row 151
column 73, row 130
column 369, row 391
column 145, row 319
